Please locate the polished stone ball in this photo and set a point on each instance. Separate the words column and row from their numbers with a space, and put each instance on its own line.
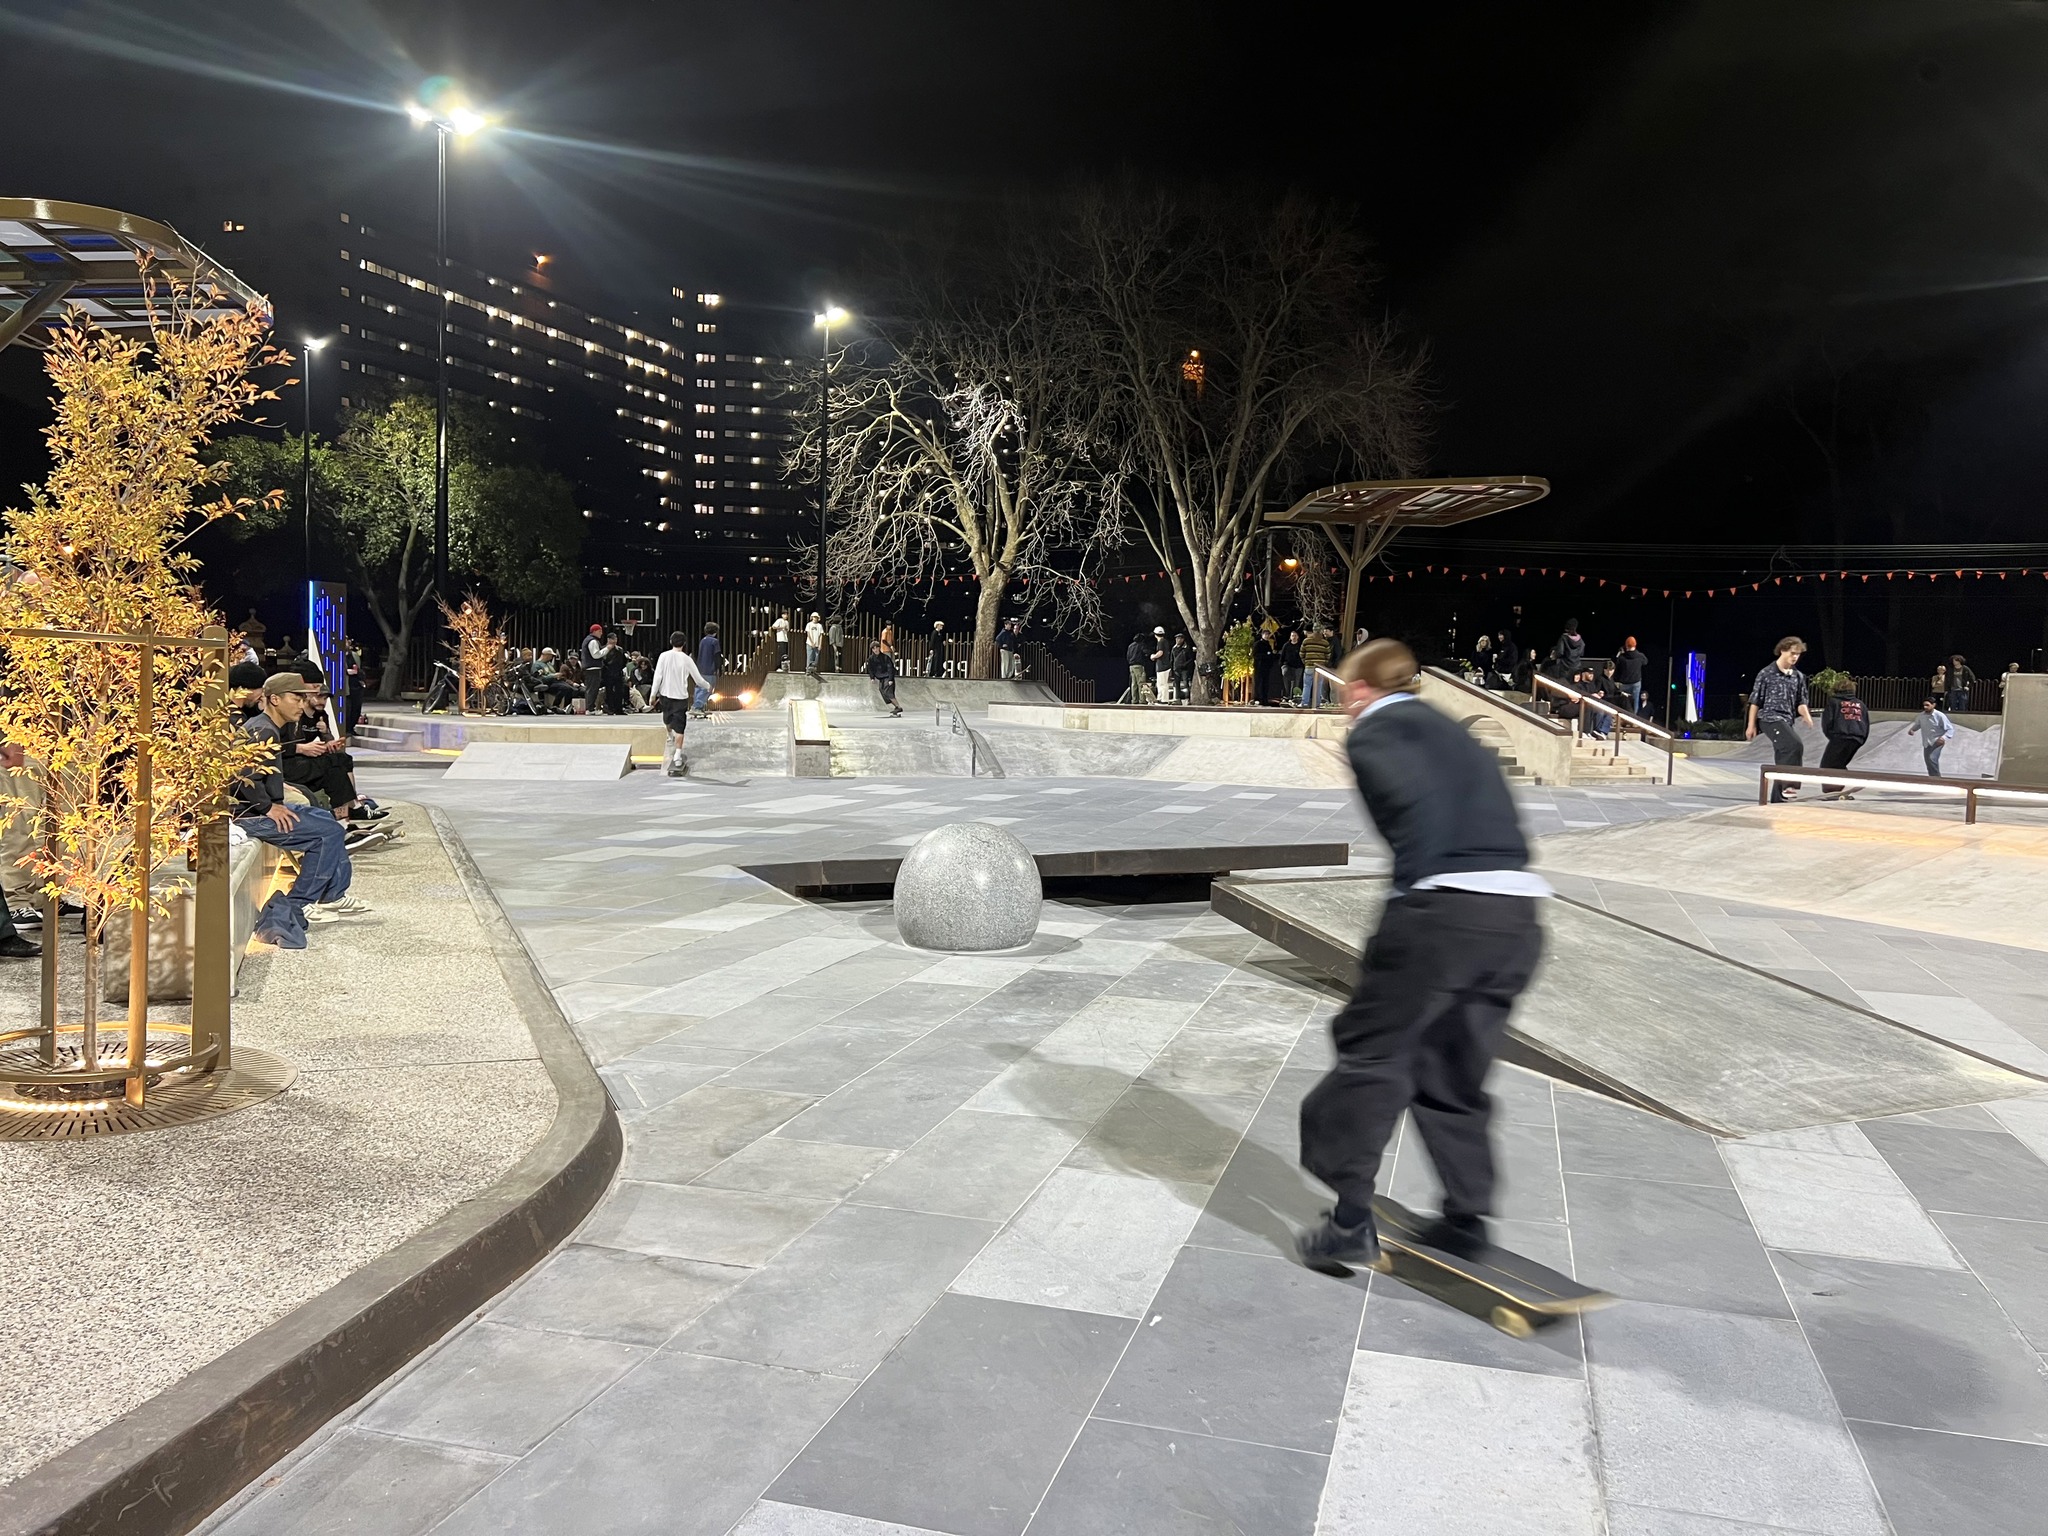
column 967, row 887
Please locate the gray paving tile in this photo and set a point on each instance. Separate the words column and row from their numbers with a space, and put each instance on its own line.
column 839, row 1297
column 1526, row 1182
column 974, row 1164
column 1248, row 1347
column 2011, row 1258
column 991, row 1394
column 1712, row 1413
column 609, row 1293
column 715, row 1226
column 1597, row 1135
column 499, row 1389
column 1153, row 1134
column 1229, row 1063
column 1683, row 1244
column 1127, row 1478
column 899, row 1101
column 682, row 1447
column 1977, row 1173
column 1406, row 1420
column 1944, row 1485
column 359, row 1484
column 1634, row 1520
column 1846, row 1202
column 1400, row 1320
column 823, row 1059
column 1923, row 1347
column 769, row 1518
column 696, row 1132
column 782, row 1165
column 1096, row 1242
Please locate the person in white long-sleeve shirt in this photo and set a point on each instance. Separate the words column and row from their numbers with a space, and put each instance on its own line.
column 676, row 679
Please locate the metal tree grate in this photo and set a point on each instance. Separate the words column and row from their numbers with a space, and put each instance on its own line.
column 175, row 1099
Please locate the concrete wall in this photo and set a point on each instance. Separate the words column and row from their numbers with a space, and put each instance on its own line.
column 1541, row 747
column 2023, row 750
column 1169, row 720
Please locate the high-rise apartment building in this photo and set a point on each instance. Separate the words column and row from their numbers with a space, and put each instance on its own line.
column 673, row 437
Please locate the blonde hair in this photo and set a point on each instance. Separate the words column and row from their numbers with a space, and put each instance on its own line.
column 1384, row 664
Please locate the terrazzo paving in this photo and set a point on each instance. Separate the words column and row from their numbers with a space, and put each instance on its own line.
column 128, row 1262
column 908, row 1243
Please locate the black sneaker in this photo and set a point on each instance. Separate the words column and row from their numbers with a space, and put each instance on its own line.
column 26, row 917
column 15, row 947
column 1462, row 1236
column 1333, row 1250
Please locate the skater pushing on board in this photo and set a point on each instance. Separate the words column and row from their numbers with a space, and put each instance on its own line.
column 1456, row 944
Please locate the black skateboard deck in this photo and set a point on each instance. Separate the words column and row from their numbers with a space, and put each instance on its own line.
column 1517, row 1295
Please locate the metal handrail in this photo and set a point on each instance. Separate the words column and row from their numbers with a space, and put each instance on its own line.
column 1971, row 790
column 1528, row 716
column 1622, row 717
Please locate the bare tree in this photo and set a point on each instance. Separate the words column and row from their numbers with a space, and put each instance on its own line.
column 1235, row 346
column 971, row 448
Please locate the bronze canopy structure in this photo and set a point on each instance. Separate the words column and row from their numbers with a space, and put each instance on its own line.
column 101, row 260
column 1361, row 517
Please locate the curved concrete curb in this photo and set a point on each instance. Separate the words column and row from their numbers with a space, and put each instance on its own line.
column 165, row 1466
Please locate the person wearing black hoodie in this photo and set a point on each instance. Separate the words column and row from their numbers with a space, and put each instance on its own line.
column 1457, row 942
column 1569, row 651
column 1846, row 725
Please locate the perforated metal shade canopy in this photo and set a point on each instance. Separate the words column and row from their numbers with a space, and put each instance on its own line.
column 54, row 255
column 1361, row 517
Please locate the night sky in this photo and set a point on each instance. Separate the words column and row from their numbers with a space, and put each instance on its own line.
column 1678, row 258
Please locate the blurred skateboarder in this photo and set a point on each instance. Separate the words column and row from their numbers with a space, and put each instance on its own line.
column 1456, row 944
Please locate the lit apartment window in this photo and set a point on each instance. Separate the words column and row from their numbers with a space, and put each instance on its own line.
column 704, row 328
column 707, row 410
column 711, row 300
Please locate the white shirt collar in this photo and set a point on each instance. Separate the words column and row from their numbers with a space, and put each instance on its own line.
column 1383, row 701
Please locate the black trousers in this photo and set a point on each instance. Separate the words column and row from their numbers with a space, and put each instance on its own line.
column 1787, row 750
column 1423, row 1026
column 1840, row 750
column 331, row 772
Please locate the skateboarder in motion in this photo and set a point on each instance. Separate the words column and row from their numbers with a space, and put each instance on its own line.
column 1456, row 944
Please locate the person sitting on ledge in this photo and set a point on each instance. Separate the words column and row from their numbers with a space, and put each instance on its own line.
column 320, row 893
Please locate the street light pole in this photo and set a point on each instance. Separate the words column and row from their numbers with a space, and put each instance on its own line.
column 441, row 131
column 312, row 345
column 831, row 316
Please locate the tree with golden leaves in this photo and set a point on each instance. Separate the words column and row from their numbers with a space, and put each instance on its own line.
column 479, row 647
column 100, row 548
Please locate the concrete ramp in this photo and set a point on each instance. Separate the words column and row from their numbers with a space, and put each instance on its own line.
column 1986, row 881
column 543, row 761
column 1660, row 1023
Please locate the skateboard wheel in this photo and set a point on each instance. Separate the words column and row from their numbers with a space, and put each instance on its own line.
column 1512, row 1323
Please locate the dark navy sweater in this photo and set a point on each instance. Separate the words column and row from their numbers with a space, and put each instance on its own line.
column 1434, row 793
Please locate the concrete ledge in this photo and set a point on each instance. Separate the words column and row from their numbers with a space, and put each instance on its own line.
column 162, row 1468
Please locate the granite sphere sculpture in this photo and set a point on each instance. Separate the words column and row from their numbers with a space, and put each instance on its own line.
column 967, row 887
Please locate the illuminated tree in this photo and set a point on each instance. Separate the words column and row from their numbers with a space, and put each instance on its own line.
column 479, row 647
column 99, row 549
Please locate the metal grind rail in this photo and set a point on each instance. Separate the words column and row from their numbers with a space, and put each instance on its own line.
column 1972, row 792
column 959, row 727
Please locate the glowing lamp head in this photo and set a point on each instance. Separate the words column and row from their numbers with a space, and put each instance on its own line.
column 314, row 343
column 831, row 316
column 467, row 120
column 420, row 115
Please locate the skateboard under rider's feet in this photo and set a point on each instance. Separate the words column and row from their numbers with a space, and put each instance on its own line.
column 1518, row 1296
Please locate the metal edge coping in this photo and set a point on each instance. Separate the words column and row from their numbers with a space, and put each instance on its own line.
column 164, row 1466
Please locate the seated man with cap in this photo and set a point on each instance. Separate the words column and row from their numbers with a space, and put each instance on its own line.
column 320, row 893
